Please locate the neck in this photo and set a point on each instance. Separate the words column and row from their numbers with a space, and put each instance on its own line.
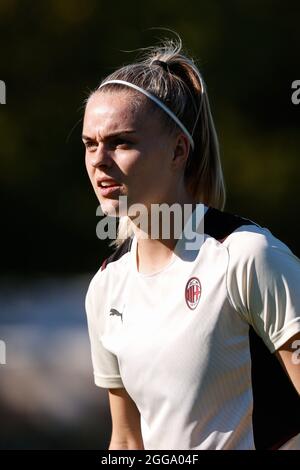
column 158, row 231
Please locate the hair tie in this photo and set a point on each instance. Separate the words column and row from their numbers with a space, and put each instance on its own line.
column 162, row 64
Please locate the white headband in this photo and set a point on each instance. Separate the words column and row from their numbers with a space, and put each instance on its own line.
column 158, row 102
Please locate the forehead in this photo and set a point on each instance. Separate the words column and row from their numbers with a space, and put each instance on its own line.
column 109, row 111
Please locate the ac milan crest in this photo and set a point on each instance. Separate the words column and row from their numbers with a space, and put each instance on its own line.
column 192, row 292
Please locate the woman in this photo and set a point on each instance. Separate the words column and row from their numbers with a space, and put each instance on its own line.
column 195, row 342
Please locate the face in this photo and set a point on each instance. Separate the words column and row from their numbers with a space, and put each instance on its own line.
column 127, row 146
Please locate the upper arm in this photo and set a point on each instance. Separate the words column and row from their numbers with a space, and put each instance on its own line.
column 263, row 285
column 105, row 363
column 289, row 357
column 126, row 426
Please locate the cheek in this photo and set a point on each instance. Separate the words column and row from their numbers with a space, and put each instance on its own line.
column 89, row 167
column 86, row 164
column 143, row 163
column 154, row 169
column 149, row 179
column 131, row 164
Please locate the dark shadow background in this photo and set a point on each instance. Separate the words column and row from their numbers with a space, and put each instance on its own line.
column 52, row 53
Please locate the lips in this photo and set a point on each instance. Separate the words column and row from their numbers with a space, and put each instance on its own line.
column 108, row 186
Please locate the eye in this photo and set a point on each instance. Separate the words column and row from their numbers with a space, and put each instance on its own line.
column 120, row 142
column 90, row 145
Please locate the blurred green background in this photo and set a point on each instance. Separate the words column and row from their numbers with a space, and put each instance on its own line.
column 53, row 52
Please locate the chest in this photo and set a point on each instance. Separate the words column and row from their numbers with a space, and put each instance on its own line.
column 176, row 328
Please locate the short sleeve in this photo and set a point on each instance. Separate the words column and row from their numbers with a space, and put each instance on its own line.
column 263, row 281
column 105, row 363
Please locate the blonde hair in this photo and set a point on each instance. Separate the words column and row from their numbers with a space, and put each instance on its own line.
column 178, row 84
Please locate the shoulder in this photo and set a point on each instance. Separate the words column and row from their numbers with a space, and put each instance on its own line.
column 263, row 274
column 258, row 247
column 221, row 224
column 256, row 257
column 116, row 264
column 244, row 239
column 119, row 254
column 262, row 281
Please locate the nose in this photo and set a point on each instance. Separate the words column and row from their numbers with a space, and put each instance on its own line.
column 101, row 157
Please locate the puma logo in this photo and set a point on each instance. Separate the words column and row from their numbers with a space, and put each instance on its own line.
column 114, row 311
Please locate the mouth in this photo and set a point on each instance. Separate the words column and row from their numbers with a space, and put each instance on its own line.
column 107, row 188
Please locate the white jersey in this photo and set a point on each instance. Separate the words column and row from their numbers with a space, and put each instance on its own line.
column 192, row 343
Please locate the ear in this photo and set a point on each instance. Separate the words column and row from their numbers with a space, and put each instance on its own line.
column 181, row 151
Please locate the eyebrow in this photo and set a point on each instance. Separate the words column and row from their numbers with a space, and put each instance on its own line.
column 108, row 136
